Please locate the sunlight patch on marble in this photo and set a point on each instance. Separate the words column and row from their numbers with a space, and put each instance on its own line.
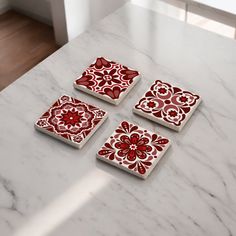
column 211, row 25
column 174, row 9
column 65, row 205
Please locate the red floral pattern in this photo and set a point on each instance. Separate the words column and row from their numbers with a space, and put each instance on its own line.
column 71, row 119
column 107, row 78
column 133, row 148
column 167, row 103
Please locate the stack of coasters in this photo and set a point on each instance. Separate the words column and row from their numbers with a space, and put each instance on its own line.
column 133, row 149
column 107, row 80
column 71, row 121
column 167, row 105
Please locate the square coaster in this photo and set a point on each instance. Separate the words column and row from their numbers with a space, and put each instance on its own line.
column 133, row 149
column 71, row 121
column 167, row 105
column 107, row 80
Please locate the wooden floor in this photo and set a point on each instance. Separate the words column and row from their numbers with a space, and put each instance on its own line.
column 24, row 42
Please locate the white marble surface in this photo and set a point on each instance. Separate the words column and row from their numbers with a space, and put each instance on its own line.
column 49, row 188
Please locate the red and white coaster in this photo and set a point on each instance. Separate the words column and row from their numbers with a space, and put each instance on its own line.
column 107, row 80
column 133, row 149
column 71, row 121
column 167, row 105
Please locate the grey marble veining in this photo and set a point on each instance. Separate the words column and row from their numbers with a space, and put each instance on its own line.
column 49, row 188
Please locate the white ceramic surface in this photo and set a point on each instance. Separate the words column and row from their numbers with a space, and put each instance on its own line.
column 50, row 188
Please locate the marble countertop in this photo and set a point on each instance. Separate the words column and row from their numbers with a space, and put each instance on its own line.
column 49, row 188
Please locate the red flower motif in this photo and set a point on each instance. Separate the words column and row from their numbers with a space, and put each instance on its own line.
column 71, row 117
column 184, row 100
column 162, row 90
column 125, row 127
column 114, row 92
column 108, row 151
column 141, row 166
column 63, row 117
column 150, row 104
column 128, row 74
column 102, row 62
column 133, row 147
column 107, row 77
column 168, row 103
column 172, row 114
column 85, row 80
column 158, row 142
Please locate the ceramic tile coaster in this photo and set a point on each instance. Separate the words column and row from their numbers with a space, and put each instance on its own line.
column 71, row 121
column 107, row 80
column 167, row 105
column 133, row 149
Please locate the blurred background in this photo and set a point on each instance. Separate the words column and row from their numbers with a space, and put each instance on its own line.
column 31, row 30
